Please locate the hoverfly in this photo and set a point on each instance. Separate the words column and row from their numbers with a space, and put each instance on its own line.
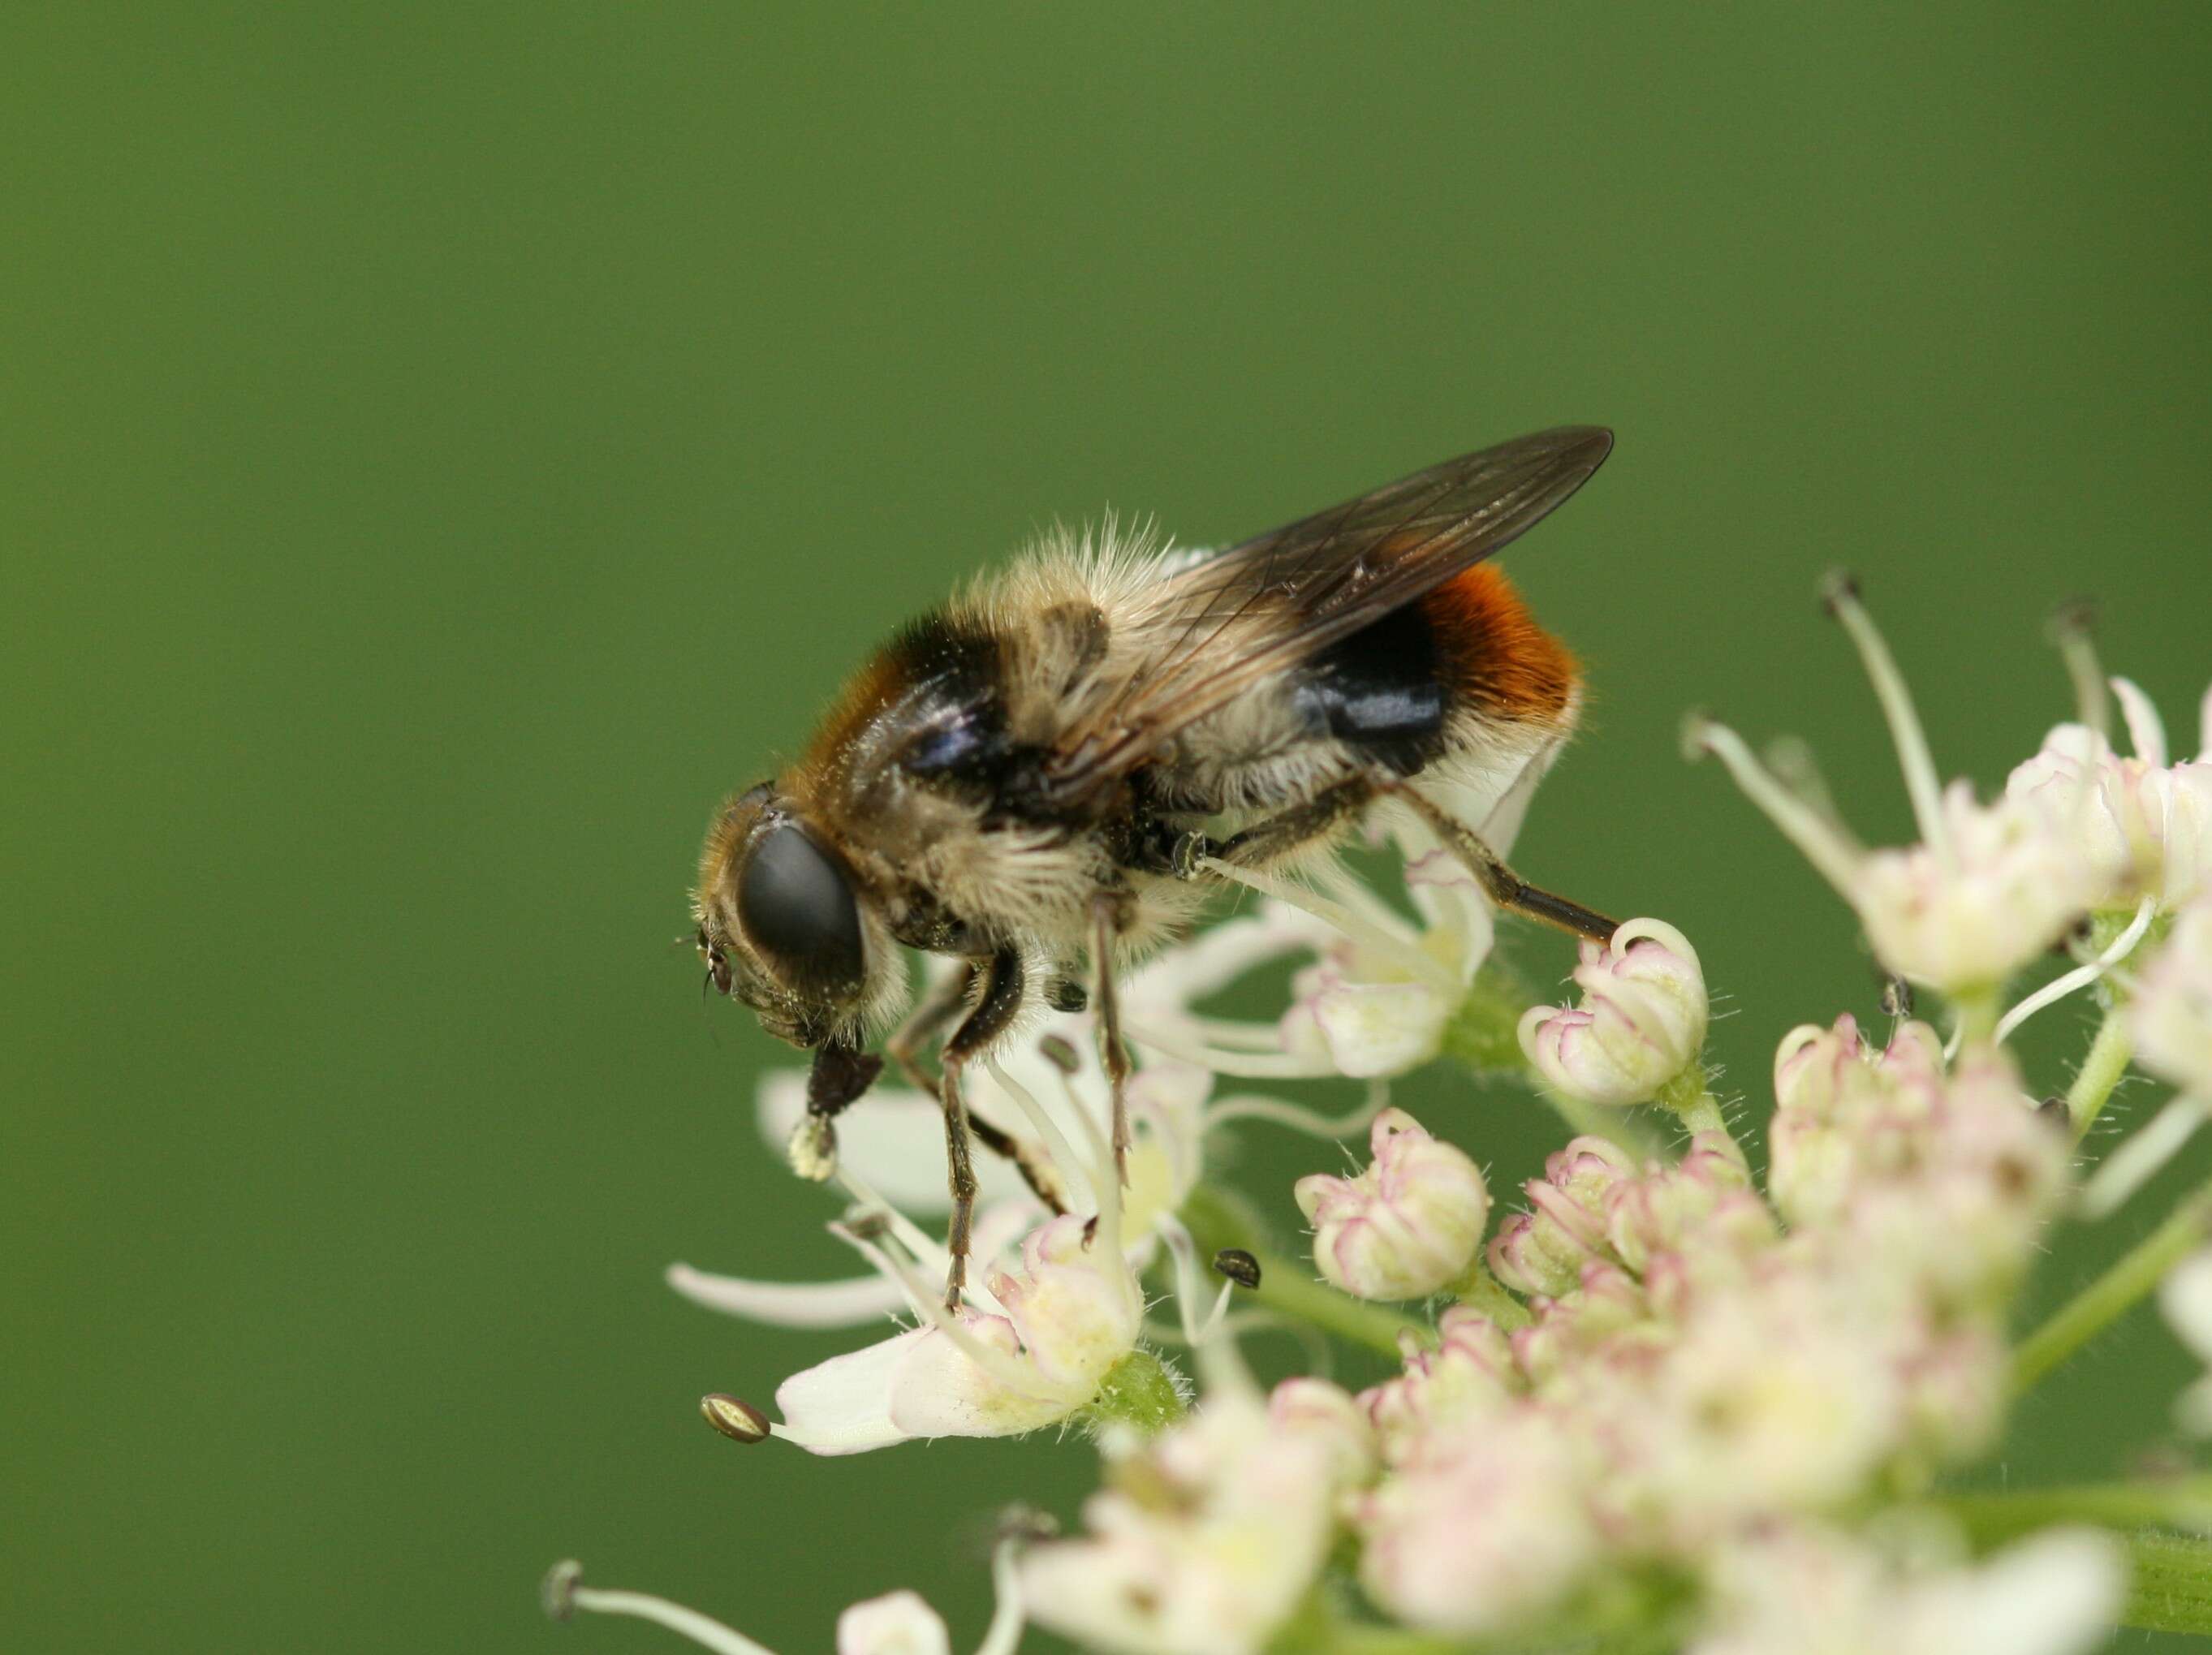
column 1036, row 779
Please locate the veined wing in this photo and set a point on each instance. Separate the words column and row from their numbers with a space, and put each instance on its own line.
column 1264, row 606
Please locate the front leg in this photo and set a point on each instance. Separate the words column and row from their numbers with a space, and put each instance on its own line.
column 996, row 1007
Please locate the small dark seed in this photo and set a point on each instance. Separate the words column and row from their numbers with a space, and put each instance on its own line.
column 1238, row 1265
column 734, row 1418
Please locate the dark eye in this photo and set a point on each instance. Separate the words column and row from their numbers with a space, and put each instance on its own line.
column 797, row 908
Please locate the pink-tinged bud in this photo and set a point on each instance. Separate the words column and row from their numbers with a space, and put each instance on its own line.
column 1545, row 1250
column 1588, row 1167
column 1406, row 1227
column 1641, row 1022
column 1486, row 1532
column 1604, row 1305
column 1469, row 1375
column 1848, row 1113
column 1316, row 1411
column 1676, row 1211
column 1530, row 1254
column 1813, row 1063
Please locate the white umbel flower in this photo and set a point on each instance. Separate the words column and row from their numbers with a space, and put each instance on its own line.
column 2144, row 825
column 1203, row 1541
column 1033, row 1352
column 1814, row 1592
column 1989, row 887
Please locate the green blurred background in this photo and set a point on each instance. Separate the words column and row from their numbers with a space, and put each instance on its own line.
column 447, row 447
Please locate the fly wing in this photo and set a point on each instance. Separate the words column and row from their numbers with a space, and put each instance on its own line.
column 1229, row 621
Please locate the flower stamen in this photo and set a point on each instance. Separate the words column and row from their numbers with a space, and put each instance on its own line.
column 564, row 1593
column 1841, row 597
column 1823, row 843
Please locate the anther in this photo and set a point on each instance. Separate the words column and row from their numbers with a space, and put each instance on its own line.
column 1896, row 996
column 734, row 1418
column 1838, row 587
column 865, row 1223
column 1238, row 1266
column 1023, row 1525
column 1060, row 1052
column 556, row 1593
column 2074, row 629
column 1695, row 724
column 2054, row 1110
column 2075, row 618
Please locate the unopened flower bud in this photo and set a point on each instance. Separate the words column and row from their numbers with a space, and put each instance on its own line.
column 1317, row 1411
column 1532, row 1255
column 734, row 1418
column 1606, row 1302
column 1468, row 1375
column 1641, row 1022
column 897, row 1624
column 1407, row 1226
column 1686, row 1207
column 1544, row 1250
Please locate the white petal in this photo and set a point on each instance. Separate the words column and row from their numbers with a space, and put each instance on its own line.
column 852, row 1303
column 936, row 1392
column 2054, row 1594
column 1382, row 1029
column 2146, row 731
column 843, row 1406
column 897, row 1624
column 2186, row 1295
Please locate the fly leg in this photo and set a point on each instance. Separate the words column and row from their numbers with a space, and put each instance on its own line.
column 995, row 1009
column 912, row 1037
column 1280, row 835
column 905, row 1047
column 1113, row 1052
column 1505, row 888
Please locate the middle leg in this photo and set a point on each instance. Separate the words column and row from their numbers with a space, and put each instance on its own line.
column 938, row 1008
column 995, row 1011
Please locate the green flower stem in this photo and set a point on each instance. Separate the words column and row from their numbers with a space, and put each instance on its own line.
column 1977, row 1016
column 1616, row 1126
column 1287, row 1285
column 1690, row 1099
column 2112, row 1294
column 1994, row 1517
column 2100, row 1072
column 1479, row 1290
column 2170, row 1587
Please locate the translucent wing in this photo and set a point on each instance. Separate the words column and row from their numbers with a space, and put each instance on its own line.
column 1260, row 608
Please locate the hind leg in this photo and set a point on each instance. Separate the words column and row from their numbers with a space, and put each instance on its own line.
column 1504, row 888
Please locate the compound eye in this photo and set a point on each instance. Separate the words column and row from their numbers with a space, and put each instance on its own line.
column 798, row 909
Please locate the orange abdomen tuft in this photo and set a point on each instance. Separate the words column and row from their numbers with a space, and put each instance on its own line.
column 1493, row 652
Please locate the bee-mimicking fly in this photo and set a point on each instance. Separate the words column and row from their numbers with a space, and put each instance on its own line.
column 1036, row 778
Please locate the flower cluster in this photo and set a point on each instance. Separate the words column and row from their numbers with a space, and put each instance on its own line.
column 1668, row 1398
